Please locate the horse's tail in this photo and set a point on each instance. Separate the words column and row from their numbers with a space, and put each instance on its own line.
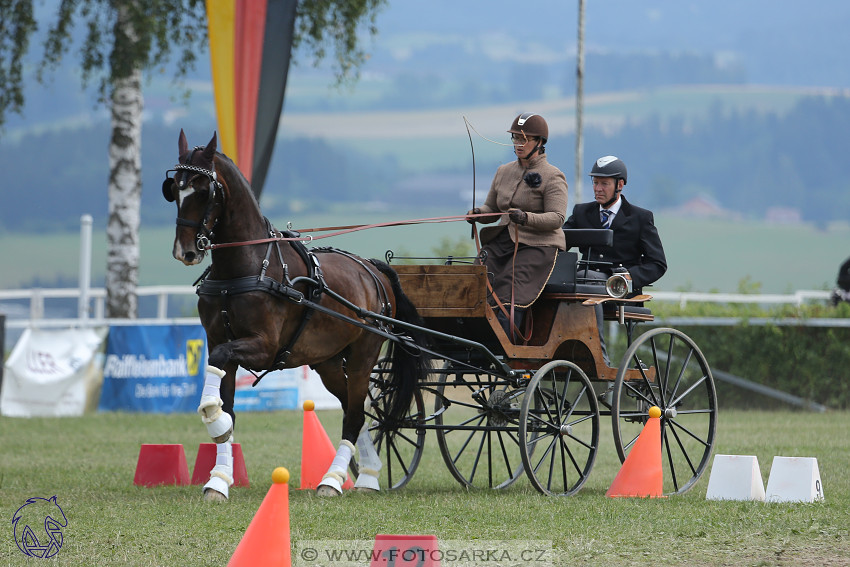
column 409, row 363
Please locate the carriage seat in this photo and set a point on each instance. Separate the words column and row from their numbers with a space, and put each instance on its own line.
column 566, row 277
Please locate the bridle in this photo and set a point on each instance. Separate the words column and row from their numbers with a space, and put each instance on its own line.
column 205, row 235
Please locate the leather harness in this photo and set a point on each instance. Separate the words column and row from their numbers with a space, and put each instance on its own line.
column 286, row 290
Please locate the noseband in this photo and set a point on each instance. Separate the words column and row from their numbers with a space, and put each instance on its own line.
column 205, row 235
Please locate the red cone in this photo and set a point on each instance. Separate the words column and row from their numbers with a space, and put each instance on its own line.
column 205, row 461
column 161, row 464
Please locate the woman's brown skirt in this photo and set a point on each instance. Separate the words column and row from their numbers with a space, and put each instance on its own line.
column 526, row 274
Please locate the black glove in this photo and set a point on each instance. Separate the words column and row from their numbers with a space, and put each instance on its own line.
column 475, row 211
column 518, row 216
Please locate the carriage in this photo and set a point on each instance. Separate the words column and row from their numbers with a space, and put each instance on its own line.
column 410, row 348
column 502, row 410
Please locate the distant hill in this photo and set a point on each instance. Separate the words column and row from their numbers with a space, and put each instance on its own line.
column 749, row 150
column 700, row 99
column 482, row 52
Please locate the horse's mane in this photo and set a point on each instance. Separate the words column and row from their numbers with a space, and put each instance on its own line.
column 233, row 174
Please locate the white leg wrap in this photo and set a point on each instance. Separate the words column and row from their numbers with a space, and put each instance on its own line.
column 219, row 424
column 335, row 477
column 221, row 477
column 369, row 461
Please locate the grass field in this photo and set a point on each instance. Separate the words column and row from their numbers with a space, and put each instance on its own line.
column 702, row 255
column 89, row 462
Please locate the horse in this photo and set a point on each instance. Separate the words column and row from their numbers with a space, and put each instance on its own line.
column 267, row 302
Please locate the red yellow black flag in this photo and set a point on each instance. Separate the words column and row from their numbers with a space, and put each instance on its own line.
column 250, row 49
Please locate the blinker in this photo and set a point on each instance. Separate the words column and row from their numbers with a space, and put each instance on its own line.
column 166, row 189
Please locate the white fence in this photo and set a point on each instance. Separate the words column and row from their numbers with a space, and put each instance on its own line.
column 32, row 307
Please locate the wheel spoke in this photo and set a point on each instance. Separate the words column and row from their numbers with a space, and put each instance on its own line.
column 690, row 389
column 672, row 465
column 673, row 423
column 681, row 375
column 508, row 467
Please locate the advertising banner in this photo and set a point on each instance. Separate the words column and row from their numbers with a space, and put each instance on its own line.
column 156, row 368
column 285, row 389
column 277, row 390
column 53, row 372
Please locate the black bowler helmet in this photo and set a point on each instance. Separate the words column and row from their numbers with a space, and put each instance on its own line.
column 609, row 166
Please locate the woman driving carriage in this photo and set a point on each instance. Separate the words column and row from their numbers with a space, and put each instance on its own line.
column 531, row 194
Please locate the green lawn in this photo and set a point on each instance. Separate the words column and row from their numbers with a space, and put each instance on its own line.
column 89, row 462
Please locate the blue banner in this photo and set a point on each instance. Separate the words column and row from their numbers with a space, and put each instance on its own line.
column 277, row 390
column 158, row 368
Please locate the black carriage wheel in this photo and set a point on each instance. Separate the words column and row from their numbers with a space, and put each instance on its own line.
column 477, row 419
column 401, row 448
column 559, row 429
column 683, row 388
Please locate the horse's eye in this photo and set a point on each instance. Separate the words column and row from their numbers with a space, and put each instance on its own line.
column 202, row 192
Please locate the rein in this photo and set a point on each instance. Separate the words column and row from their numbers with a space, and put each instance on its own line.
column 492, row 291
column 340, row 230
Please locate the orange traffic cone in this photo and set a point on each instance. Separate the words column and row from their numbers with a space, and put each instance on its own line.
column 641, row 473
column 266, row 541
column 317, row 451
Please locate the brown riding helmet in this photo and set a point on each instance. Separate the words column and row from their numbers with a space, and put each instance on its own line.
column 530, row 124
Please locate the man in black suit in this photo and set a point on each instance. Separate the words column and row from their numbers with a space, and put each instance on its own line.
column 637, row 246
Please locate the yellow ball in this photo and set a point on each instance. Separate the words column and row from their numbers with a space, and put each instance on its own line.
column 280, row 475
column 309, row 405
column 655, row 411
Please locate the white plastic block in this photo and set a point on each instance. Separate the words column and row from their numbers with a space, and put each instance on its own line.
column 794, row 479
column 735, row 477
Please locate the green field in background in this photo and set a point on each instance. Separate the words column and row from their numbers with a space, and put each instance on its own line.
column 703, row 255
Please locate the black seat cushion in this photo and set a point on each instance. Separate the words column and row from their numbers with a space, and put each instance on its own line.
column 563, row 278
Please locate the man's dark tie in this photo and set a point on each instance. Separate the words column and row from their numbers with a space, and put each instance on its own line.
column 605, row 216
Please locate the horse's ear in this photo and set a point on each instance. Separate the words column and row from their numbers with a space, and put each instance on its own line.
column 182, row 144
column 209, row 150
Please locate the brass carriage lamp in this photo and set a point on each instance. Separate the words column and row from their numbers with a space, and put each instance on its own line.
column 619, row 285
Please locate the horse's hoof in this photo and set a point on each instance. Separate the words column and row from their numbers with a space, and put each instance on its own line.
column 211, row 495
column 366, row 489
column 327, row 491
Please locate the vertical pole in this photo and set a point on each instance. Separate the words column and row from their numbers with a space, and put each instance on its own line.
column 85, row 267
column 579, row 105
column 2, row 346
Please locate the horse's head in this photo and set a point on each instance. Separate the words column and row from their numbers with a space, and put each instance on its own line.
column 196, row 189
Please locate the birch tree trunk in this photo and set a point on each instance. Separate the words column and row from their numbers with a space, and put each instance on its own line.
column 125, row 194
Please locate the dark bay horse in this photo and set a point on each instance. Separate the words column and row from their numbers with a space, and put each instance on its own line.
column 267, row 303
